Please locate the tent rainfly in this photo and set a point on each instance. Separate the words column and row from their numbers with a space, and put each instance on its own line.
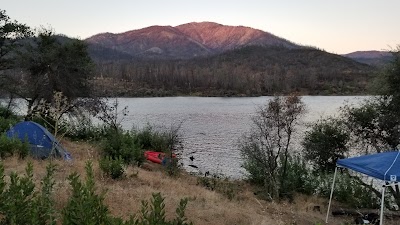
column 384, row 166
column 42, row 143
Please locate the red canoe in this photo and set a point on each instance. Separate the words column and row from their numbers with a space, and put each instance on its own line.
column 156, row 157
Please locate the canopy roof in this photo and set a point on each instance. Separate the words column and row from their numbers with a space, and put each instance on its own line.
column 384, row 166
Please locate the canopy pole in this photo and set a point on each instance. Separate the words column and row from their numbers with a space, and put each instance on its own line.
column 330, row 198
column 382, row 203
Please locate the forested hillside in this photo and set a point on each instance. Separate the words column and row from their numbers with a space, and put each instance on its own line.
column 248, row 71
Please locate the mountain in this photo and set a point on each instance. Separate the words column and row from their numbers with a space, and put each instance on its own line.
column 210, row 59
column 180, row 42
column 247, row 71
column 374, row 58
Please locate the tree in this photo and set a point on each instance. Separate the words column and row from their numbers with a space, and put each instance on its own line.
column 53, row 64
column 266, row 149
column 11, row 32
column 11, row 35
column 325, row 143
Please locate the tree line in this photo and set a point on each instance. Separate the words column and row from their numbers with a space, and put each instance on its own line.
column 249, row 71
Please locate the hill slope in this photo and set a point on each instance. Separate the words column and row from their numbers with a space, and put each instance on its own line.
column 374, row 58
column 249, row 71
column 183, row 41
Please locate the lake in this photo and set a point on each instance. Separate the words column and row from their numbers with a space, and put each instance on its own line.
column 212, row 126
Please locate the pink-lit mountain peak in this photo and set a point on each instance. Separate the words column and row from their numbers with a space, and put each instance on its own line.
column 186, row 40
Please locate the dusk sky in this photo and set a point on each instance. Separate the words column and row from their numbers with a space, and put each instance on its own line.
column 339, row 26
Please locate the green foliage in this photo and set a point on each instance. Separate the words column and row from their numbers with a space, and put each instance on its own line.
column 18, row 200
column 45, row 209
column 11, row 146
column 149, row 139
column 10, row 33
column 6, row 124
column 7, row 113
column 85, row 206
column 349, row 190
column 83, row 129
column 7, row 118
column 297, row 178
column 154, row 213
column 122, row 144
column 21, row 204
column 325, row 143
column 112, row 167
column 300, row 178
column 374, row 123
column 162, row 140
column 265, row 150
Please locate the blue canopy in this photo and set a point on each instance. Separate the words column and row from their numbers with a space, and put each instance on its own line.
column 384, row 166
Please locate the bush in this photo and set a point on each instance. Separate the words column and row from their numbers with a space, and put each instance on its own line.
column 266, row 149
column 11, row 146
column 7, row 119
column 122, row 145
column 162, row 140
column 297, row 179
column 84, row 129
column 154, row 213
column 20, row 203
column 325, row 143
column 6, row 124
column 112, row 167
column 85, row 206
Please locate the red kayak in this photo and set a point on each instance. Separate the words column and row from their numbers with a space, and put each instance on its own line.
column 156, row 157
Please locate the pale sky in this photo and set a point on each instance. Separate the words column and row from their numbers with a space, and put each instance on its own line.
column 337, row 26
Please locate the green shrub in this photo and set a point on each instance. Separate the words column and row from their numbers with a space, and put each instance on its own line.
column 85, row 206
column 20, row 203
column 7, row 113
column 112, row 167
column 6, row 124
column 11, row 146
column 162, row 140
column 84, row 129
column 122, row 145
column 154, row 213
column 17, row 201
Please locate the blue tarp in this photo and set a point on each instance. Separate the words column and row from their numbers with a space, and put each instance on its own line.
column 384, row 166
column 40, row 139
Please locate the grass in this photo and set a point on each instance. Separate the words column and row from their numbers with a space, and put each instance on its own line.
column 205, row 206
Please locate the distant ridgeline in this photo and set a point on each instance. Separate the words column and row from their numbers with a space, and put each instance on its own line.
column 210, row 59
column 248, row 71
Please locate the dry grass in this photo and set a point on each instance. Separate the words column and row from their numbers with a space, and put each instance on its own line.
column 205, row 207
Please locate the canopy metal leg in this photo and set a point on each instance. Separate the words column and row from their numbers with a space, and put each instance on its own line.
column 330, row 198
column 382, row 204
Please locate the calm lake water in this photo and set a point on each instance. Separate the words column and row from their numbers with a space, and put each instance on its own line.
column 212, row 126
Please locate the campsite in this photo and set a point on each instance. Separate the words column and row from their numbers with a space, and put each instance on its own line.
column 205, row 206
column 67, row 156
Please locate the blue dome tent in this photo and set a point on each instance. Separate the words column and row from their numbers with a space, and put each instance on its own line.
column 43, row 143
column 384, row 166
